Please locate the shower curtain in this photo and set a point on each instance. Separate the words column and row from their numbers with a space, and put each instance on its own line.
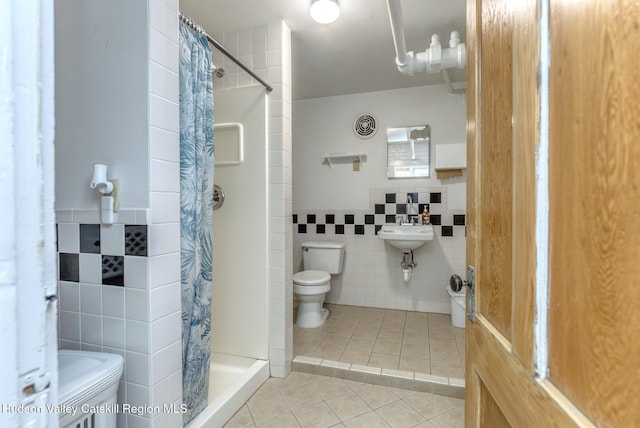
column 196, row 215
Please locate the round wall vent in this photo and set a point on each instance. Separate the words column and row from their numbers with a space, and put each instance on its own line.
column 365, row 126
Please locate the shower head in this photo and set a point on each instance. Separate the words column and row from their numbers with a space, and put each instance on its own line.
column 218, row 71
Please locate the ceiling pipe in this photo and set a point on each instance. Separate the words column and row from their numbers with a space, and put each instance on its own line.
column 404, row 59
column 434, row 59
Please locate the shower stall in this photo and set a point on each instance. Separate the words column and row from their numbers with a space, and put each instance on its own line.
column 239, row 317
column 239, row 324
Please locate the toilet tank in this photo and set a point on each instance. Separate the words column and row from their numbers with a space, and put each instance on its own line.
column 325, row 256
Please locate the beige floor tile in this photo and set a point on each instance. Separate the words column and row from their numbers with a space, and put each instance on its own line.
column 294, row 378
column 411, row 315
column 400, row 415
column 286, row 420
column 366, row 333
column 458, row 333
column 267, row 407
column 437, row 331
column 386, row 347
column 392, row 327
column 377, row 396
column 310, row 337
column 241, row 419
column 345, row 332
column 442, row 352
column 317, row 415
column 447, row 369
column 425, row 424
column 402, row 393
column 431, row 405
column 414, row 350
column 384, row 361
column 331, row 352
column 416, row 329
column 361, row 344
column 415, row 339
column 348, row 406
column 355, row 356
column 300, row 395
column 333, row 340
column 368, row 420
column 329, row 387
column 304, row 348
column 388, row 336
column 442, row 319
column 414, row 364
column 451, row 419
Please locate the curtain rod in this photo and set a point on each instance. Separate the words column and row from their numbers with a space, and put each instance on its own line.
column 194, row 26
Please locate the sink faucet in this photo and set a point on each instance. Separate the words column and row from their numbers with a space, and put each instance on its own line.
column 408, row 207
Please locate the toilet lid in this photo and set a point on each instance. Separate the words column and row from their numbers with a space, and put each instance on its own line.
column 311, row 277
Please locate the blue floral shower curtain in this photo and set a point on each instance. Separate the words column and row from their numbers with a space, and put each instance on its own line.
column 196, row 215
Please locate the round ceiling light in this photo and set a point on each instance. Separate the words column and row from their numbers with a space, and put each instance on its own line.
column 324, row 11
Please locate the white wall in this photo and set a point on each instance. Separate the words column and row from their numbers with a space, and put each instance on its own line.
column 323, row 125
column 372, row 274
column 101, row 62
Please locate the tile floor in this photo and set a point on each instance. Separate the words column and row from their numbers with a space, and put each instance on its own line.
column 308, row 400
column 390, row 339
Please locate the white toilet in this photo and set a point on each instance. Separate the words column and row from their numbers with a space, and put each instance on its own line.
column 320, row 261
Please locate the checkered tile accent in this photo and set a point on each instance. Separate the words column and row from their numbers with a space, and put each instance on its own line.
column 386, row 211
column 97, row 254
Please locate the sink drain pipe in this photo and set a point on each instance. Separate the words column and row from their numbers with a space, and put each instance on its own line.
column 407, row 265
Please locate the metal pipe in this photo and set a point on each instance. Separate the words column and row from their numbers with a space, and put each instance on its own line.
column 192, row 24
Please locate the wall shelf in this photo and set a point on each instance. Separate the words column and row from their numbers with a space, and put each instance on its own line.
column 334, row 158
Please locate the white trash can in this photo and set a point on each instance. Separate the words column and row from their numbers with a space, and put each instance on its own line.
column 458, row 307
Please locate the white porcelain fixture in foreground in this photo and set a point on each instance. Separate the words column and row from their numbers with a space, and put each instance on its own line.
column 406, row 237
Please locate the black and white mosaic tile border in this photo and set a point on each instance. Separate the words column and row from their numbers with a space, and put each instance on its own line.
column 386, row 208
column 97, row 254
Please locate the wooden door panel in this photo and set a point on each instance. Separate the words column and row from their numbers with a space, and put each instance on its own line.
column 491, row 415
column 494, row 297
column 526, row 116
column 594, row 197
column 594, row 312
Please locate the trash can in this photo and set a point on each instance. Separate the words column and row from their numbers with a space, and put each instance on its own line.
column 458, row 307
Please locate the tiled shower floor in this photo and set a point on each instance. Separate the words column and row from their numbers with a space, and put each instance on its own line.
column 390, row 339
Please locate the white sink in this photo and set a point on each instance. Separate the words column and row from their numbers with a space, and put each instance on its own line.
column 406, row 238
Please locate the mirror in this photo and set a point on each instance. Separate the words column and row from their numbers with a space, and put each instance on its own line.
column 408, row 151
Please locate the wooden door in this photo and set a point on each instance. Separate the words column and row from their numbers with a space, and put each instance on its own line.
column 553, row 106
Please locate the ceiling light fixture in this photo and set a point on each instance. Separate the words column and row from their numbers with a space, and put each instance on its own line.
column 324, row 11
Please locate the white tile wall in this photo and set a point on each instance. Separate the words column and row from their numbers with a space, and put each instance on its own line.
column 121, row 319
column 90, row 268
column 69, row 241
column 112, row 239
column 267, row 49
column 163, row 321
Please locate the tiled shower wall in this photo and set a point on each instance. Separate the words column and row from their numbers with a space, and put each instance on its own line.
column 372, row 275
column 266, row 49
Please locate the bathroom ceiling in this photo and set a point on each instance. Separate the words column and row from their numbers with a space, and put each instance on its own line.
column 352, row 55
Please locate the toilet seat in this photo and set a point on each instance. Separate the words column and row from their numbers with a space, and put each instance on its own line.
column 311, row 277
